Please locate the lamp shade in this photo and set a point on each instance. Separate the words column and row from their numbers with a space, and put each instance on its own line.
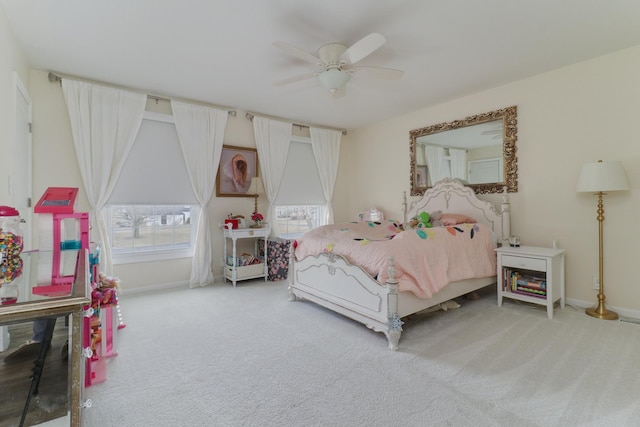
column 333, row 79
column 256, row 186
column 602, row 176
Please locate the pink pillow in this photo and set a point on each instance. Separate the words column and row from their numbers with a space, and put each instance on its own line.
column 449, row 219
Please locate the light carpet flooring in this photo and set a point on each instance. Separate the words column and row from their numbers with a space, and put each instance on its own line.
column 246, row 356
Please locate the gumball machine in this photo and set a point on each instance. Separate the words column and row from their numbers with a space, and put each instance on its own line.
column 11, row 245
column 10, row 234
column 10, row 274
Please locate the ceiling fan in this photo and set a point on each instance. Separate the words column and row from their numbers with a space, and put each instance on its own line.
column 336, row 62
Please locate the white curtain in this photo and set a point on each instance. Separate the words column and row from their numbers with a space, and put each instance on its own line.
column 435, row 156
column 104, row 125
column 422, row 153
column 326, row 150
column 201, row 134
column 458, row 163
column 272, row 142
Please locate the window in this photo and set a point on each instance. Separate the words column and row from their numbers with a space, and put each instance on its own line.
column 143, row 229
column 293, row 221
column 152, row 208
column 300, row 208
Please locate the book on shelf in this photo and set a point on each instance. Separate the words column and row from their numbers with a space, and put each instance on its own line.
column 524, row 282
column 532, row 284
column 529, row 291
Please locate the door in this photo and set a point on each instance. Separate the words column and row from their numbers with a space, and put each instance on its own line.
column 484, row 171
column 21, row 181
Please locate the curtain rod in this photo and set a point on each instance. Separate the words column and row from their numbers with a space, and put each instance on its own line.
column 250, row 117
column 53, row 78
column 441, row 146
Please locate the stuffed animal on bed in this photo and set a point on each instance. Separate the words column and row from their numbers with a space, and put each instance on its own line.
column 436, row 217
column 420, row 221
column 426, row 220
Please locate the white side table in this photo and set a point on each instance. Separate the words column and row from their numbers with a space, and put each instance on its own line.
column 542, row 268
column 232, row 271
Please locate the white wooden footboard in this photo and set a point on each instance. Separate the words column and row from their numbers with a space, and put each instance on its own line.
column 332, row 282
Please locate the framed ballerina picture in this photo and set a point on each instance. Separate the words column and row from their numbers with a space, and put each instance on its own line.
column 237, row 166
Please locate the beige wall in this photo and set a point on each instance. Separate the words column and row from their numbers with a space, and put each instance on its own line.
column 567, row 117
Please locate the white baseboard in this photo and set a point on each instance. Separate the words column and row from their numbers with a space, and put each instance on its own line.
column 152, row 288
column 161, row 287
column 623, row 312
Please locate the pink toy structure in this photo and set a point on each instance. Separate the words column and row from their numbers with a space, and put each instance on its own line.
column 98, row 338
column 61, row 285
column 61, row 202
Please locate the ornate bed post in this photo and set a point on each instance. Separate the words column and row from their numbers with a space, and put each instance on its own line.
column 506, row 217
column 291, row 271
column 405, row 220
column 394, row 324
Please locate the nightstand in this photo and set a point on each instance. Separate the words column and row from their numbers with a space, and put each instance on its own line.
column 531, row 274
column 234, row 272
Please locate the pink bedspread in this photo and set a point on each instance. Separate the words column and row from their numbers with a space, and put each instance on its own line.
column 426, row 260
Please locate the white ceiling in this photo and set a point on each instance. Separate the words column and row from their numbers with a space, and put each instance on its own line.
column 221, row 52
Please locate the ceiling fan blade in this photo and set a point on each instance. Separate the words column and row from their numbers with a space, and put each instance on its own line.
column 378, row 72
column 362, row 48
column 294, row 79
column 295, row 51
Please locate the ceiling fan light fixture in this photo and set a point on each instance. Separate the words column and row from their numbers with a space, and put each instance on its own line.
column 333, row 79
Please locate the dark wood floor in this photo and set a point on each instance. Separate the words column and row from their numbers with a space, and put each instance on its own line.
column 52, row 399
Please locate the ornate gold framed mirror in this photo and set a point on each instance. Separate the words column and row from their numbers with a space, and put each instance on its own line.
column 479, row 150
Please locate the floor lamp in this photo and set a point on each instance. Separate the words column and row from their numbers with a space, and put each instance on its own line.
column 600, row 178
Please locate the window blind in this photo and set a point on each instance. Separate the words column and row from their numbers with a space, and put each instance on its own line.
column 155, row 171
column 301, row 182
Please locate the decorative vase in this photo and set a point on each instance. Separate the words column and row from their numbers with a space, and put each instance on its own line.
column 256, row 224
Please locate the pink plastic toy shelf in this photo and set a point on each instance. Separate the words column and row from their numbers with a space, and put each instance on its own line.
column 57, row 200
column 61, row 202
column 61, row 285
column 99, row 335
column 99, row 327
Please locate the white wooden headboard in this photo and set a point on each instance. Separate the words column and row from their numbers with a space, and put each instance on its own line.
column 449, row 195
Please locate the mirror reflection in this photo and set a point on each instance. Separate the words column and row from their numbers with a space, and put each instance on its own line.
column 479, row 150
column 43, row 380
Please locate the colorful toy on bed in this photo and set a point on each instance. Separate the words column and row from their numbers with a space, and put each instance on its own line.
column 427, row 220
column 423, row 220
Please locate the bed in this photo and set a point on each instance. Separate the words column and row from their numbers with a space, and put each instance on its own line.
column 380, row 299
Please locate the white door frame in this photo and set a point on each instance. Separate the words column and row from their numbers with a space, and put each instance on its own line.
column 21, row 183
column 20, row 178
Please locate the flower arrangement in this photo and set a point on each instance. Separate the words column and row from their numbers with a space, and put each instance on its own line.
column 257, row 219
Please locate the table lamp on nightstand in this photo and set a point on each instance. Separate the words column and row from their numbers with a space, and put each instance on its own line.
column 600, row 178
